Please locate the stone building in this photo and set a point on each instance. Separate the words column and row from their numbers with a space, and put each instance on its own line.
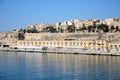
column 112, row 22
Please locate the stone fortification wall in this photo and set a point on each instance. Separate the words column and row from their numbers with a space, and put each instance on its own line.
column 44, row 36
column 9, row 38
column 3, row 35
column 60, row 36
column 111, row 37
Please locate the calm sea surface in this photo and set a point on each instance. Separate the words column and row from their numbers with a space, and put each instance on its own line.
column 38, row 66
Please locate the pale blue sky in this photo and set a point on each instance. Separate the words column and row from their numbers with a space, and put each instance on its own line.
column 16, row 14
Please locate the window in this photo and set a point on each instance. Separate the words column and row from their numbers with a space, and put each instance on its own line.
column 40, row 43
column 28, row 43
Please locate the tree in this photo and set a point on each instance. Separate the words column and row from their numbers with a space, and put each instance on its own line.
column 21, row 36
column 112, row 28
column 89, row 28
column 51, row 29
column 32, row 31
column 82, row 28
column 24, row 31
column 117, row 29
column 60, row 30
column 14, row 29
column 103, row 28
column 71, row 28
column 21, row 30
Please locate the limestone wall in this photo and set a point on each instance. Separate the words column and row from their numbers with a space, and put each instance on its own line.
column 53, row 39
column 9, row 38
column 60, row 36
column 74, row 44
column 98, row 44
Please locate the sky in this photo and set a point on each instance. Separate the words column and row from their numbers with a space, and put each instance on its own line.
column 17, row 14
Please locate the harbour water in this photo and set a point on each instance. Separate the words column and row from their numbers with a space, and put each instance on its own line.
column 50, row 66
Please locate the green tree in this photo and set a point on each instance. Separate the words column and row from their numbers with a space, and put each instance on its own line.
column 103, row 28
column 32, row 31
column 60, row 30
column 51, row 29
column 89, row 28
column 71, row 28
column 20, row 30
column 112, row 28
column 21, row 36
column 14, row 30
column 24, row 31
column 82, row 28
column 116, row 29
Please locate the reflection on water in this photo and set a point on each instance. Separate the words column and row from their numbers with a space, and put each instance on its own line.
column 38, row 66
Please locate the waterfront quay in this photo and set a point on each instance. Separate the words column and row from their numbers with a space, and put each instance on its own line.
column 63, row 51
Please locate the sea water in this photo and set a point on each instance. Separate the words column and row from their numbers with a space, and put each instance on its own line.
column 50, row 66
